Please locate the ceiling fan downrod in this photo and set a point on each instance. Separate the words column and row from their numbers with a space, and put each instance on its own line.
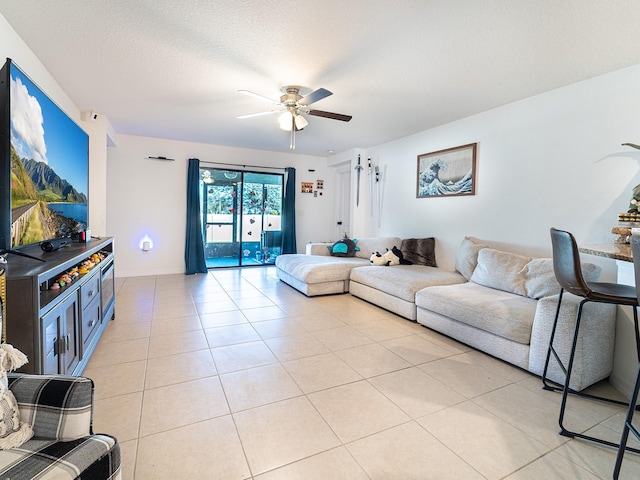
column 292, row 145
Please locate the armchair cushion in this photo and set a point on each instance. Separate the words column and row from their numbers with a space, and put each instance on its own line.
column 57, row 407
column 92, row 457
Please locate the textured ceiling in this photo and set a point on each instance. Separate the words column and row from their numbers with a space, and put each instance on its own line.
column 172, row 69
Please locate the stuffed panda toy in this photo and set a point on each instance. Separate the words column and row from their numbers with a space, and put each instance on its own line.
column 391, row 258
column 395, row 257
column 378, row 260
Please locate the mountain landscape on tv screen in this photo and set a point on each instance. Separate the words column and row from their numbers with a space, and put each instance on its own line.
column 35, row 185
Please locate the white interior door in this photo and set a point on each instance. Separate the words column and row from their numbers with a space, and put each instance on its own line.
column 343, row 202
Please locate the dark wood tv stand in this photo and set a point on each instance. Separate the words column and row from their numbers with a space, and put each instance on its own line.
column 59, row 329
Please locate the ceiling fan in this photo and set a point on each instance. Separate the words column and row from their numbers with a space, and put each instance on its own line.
column 291, row 107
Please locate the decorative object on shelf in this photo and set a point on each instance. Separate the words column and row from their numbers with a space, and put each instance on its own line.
column 446, row 173
column 634, row 203
column 623, row 234
column 630, row 218
column 80, row 269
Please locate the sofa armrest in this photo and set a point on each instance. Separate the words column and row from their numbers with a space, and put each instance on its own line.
column 57, row 407
column 594, row 351
column 318, row 248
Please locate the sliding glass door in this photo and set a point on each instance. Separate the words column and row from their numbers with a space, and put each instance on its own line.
column 241, row 217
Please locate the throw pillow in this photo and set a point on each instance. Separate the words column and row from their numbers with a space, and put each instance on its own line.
column 501, row 270
column 419, row 251
column 13, row 432
column 344, row 247
column 540, row 279
column 467, row 257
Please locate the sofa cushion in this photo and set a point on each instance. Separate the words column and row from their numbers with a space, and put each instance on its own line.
column 419, row 251
column 540, row 279
column 495, row 311
column 467, row 256
column 369, row 246
column 316, row 268
column 403, row 281
column 501, row 270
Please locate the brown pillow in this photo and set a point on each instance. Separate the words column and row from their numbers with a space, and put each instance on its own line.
column 419, row 251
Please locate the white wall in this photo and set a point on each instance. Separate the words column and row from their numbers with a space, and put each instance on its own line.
column 148, row 197
column 13, row 47
column 551, row 160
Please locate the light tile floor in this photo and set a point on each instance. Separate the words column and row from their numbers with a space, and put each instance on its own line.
column 235, row 375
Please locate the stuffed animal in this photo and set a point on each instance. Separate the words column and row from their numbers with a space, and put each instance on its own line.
column 378, row 260
column 398, row 253
column 13, row 432
column 344, row 248
column 395, row 257
column 391, row 258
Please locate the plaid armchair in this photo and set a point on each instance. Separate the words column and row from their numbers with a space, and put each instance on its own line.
column 60, row 410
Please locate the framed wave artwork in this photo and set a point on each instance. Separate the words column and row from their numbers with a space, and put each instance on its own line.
column 447, row 173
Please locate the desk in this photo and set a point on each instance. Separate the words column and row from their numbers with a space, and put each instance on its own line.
column 617, row 251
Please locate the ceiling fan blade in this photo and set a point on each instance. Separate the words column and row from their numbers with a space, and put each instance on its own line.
column 258, row 96
column 333, row 116
column 313, row 97
column 250, row 115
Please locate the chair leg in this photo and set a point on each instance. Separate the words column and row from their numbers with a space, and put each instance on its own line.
column 637, row 330
column 565, row 391
column 550, row 350
column 627, row 426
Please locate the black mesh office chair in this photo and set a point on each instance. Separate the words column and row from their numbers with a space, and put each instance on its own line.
column 566, row 265
column 628, row 427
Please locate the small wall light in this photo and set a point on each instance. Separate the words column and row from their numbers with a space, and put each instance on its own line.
column 145, row 244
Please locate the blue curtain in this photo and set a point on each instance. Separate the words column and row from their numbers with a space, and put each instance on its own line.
column 194, row 246
column 289, row 212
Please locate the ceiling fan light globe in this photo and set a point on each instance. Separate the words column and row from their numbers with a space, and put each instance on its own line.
column 285, row 121
column 301, row 122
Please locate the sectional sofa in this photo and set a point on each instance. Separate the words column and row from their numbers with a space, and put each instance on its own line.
column 498, row 302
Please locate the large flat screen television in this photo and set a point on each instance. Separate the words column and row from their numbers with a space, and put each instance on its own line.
column 44, row 165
